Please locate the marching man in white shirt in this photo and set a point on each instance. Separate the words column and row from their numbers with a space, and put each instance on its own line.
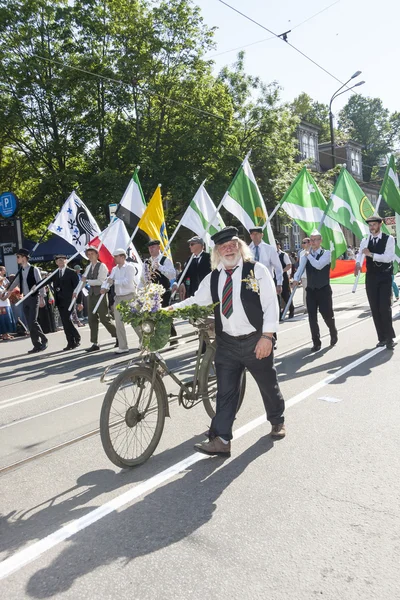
column 123, row 276
column 267, row 256
column 246, row 315
column 378, row 249
column 317, row 263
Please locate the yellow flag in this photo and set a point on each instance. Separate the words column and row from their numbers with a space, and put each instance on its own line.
column 153, row 221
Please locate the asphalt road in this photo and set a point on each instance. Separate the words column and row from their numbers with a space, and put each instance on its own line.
column 315, row 515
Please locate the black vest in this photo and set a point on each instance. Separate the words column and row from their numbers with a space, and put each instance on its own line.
column 377, row 267
column 157, row 276
column 30, row 280
column 250, row 300
column 284, row 265
column 317, row 279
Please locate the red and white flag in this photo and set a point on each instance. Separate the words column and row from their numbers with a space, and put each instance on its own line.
column 116, row 237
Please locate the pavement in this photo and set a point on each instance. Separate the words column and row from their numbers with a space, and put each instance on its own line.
column 315, row 515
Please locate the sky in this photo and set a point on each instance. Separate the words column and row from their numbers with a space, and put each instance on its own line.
column 349, row 36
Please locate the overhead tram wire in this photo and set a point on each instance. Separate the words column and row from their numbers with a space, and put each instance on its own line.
column 126, row 83
column 280, row 38
column 273, row 36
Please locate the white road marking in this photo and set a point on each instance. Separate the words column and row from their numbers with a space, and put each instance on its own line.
column 24, row 557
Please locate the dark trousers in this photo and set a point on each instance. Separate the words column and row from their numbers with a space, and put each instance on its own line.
column 232, row 357
column 165, row 302
column 320, row 300
column 102, row 316
column 379, row 290
column 31, row 312
column 71, row 333
column 285, row 295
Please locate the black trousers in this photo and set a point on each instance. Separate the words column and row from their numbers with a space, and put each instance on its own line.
column 71, row 333
column 165, row 302
column 320, row 300
column 285, row 297
column 232, row 357
column 379, row 290
column 31, row 312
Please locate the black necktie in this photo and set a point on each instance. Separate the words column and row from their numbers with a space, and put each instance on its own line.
column 375, row 240
column 60, row 273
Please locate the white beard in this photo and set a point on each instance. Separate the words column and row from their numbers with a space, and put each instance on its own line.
column 229, row 264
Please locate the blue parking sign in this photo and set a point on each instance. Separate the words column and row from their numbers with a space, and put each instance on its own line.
column 8, row 204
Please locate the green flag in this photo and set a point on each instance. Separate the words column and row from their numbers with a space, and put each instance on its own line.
column 243, row 199
column 390, row 191
column 350, row 207
column 306, row 205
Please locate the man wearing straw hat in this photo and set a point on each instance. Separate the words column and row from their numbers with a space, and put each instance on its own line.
column 378, row 249
column 95, row 275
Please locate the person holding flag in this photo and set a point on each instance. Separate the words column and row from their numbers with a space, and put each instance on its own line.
column 199, row 267
column 317, row 263
column 267, row 256
column 159, row 269
column 378, row 249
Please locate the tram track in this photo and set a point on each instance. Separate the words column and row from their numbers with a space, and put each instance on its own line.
column 94, row 432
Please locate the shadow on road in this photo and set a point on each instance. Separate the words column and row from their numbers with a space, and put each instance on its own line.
column 162, row 518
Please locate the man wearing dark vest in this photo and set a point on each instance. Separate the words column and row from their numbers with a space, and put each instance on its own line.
column 162, row 271
column 64, row 282
column 317, row 263
column 378, row 249
column 200, row 266
column 26, row 278
column 95, row 275
column 246, row 315
column 286, row 268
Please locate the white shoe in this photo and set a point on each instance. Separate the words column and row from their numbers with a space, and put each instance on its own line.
column 121, row 350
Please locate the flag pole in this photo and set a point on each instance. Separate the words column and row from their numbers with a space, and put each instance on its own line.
column 290, row 300
column 43, row 281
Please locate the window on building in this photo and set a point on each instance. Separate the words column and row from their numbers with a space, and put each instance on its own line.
column 356, row 162
column 308, row 149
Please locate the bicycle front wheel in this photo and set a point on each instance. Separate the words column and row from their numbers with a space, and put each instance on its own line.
column 132, row 417
column 208, row 383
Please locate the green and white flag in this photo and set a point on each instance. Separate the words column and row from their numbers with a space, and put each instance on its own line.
column 243, row 199
column 390, row 191
column 132, row 205
column 349, row 205
column 202, row 215
column 306, row 205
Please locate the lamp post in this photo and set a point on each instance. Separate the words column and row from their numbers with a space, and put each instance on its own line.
column 335, row 95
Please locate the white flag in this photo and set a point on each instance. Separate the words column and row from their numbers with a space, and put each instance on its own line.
column 199, row 214
column 74, row 223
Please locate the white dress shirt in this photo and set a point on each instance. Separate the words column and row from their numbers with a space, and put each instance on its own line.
column 23, row 285
column 324, row 260
column 167, row 268
column 304, row 273
column 101, row 276
column 238, row 323
column 124, row 279
column 387, row 257
column 270, row 259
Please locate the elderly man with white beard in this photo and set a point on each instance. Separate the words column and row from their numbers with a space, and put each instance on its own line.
column 246, row 315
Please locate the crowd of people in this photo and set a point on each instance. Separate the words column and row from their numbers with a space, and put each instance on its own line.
column 249, row 286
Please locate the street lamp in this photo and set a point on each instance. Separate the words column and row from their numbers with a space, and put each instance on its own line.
column 335, row 95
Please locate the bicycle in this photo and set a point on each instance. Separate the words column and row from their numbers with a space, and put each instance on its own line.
column 136, row 403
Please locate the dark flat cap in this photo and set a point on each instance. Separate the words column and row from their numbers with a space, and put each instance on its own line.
column 225, row 235
column 196, row 240
column 256, row 230
column 23, row 252
column 56, row 256
column 92, row 248
column 153, row 243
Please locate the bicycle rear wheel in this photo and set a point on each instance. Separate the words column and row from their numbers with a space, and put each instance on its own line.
column 132, row 417
column 208, row 383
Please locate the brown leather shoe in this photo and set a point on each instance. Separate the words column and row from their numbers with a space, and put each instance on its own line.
column 278, row 431
column 214, row 447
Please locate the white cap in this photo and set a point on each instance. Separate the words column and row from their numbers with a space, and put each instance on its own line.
column 119, row 251
column 315, row 232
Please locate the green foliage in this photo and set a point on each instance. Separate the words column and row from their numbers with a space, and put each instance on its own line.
column 366, row 121
column 313, row 112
